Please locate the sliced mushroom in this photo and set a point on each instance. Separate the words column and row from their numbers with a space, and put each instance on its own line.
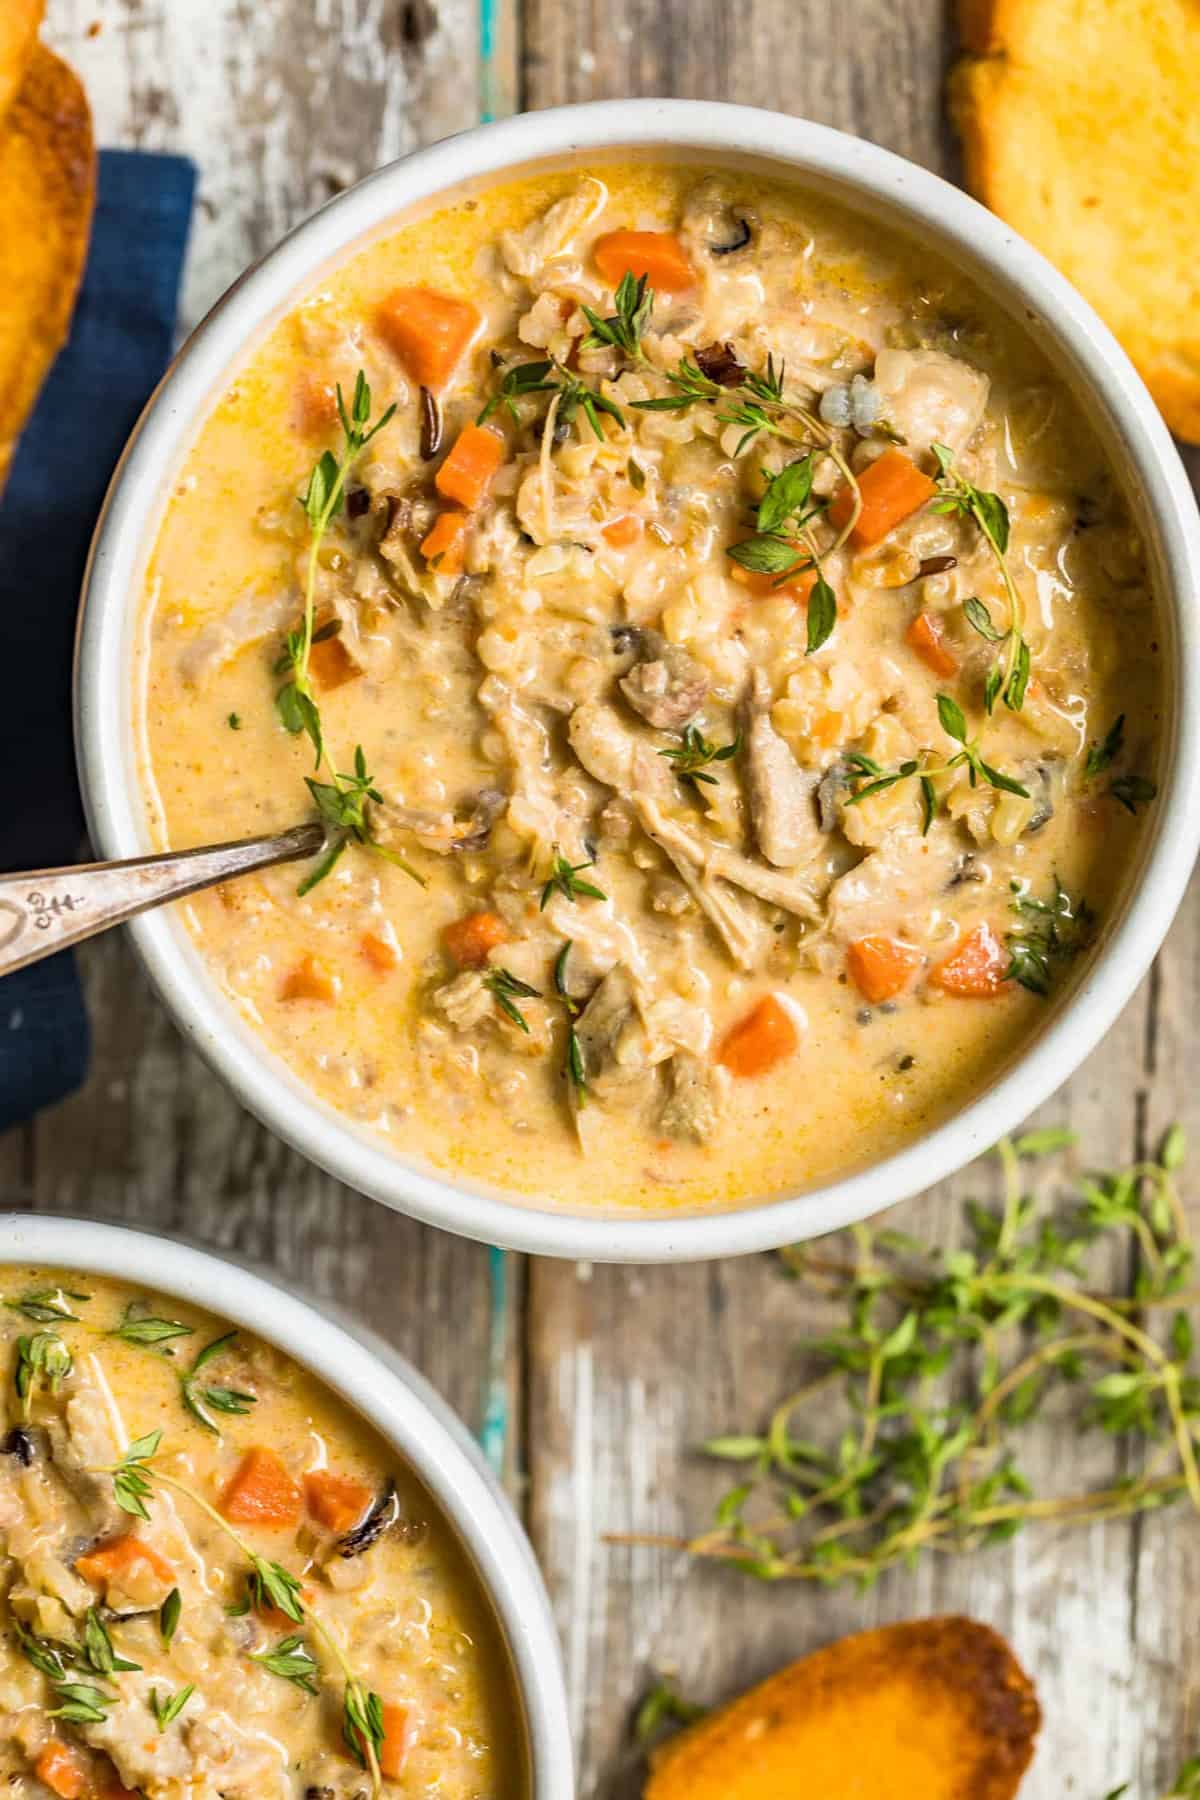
column 722, row 364
column 696, row 1099
column 611, row 1035
column 383, row 1515
column 442, row 833
column 669, row 688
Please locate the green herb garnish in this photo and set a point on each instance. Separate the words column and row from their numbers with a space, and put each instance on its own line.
column 564, row 879
column 293, row 1661
column 167, row 1708
column 505, row 988
column 168, row 1615
column 149, row 1332
column 203, row 1399
column 634, row 302
column 1053, row 932
column 693, row 755
column 664, row 1705
column 322, row 500
column 1132, row 791
column 518, row 381
column 918, row 1403
column 83, row 1703
column 48, row 1306
column 98, row 1649
column 40, row 1357
column 1009, row 678
column 954, row 724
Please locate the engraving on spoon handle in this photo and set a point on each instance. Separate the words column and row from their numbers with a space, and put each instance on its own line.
column 49, row 909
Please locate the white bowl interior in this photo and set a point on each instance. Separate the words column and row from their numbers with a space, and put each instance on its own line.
column 396, row 1401
column 877, row 186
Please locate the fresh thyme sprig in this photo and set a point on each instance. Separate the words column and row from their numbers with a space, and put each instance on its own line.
column 270, row 1585
column 1009, row 678
column 572, row 393
column 1052, row 934
column 167, row 1708
column 202, row 1399
column 1131, row 790
column 293, row 1661
column 954, row 724
column 564, row 879
column 692, row 756
column 48, row 1306
column 322, row 500
column 573, row 1064
column 149, row 1333
column 782, row 544
column 505, row 989
column 634, row 300
column 946, row 1356
column 40, row 1357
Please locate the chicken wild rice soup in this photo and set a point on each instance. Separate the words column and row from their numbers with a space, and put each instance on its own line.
column 721, row 656
column 217, row 1584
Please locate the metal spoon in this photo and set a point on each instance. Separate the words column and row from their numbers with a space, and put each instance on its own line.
column 48, row 909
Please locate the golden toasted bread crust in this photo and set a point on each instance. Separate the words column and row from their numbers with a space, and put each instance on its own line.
column 1081, row 127
column 938, row 1709
column 19, row 21
column 47, row 191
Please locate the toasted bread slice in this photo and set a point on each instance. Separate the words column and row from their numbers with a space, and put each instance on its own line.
column 19, row 21
column 934, row 1710
column 1081, row 127
column 47, row 190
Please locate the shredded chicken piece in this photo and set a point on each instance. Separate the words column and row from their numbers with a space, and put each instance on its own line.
column 931, row 398
column 782, row 794
column 893, row 885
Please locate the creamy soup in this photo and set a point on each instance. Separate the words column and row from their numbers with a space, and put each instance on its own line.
column 721, row 656
column 216, row 1582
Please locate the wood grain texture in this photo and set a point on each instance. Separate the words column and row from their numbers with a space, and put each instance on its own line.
column 595, row 1383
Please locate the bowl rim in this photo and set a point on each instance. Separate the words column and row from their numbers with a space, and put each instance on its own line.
column 359, row 1367
column 958, row 227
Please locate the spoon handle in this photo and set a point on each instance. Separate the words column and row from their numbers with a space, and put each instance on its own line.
column 48, row 909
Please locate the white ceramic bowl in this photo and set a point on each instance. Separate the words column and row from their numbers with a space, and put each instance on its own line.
column 401, row 1406
column 877, row 185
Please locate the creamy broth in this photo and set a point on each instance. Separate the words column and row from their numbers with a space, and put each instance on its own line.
column 790, row 964
column 302, row 1482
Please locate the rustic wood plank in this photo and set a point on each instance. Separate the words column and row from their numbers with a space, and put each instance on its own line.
column 630, row 1368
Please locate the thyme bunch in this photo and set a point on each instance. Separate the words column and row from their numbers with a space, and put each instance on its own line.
column 908, row 1437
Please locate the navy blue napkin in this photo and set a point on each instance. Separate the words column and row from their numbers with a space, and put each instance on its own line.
column 120, row 343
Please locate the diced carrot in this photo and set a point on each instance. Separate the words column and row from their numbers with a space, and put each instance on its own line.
column 466, row 475
column 261, row 1491
column 892, row 487
column 442, row 547
column 335, row 1501
column 316, row 410
column 658, row 255
column 309, row 979
column 882, row 967
column 398, row 1733
column 61, row 1770
column 926, row 636
column 763, row 1038
column 976, row 969
column 121, row 1556
column 470, row 939
column 380, row 952
column 428, row 331
column 622, row 532
column 332, row 664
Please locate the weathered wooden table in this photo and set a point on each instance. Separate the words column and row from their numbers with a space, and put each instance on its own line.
column 590, row 1384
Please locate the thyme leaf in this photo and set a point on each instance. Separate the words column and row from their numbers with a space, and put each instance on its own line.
column 634, row 300
column 1102, row 755
column 293, row 1661
column 40, row 1357
column 1009, row 678
column 48, row 1306
column 202, row 1399
column 505, row 988
column 693, row 755
column 149, row 1332
column 564, row 879
column 167, row 1708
